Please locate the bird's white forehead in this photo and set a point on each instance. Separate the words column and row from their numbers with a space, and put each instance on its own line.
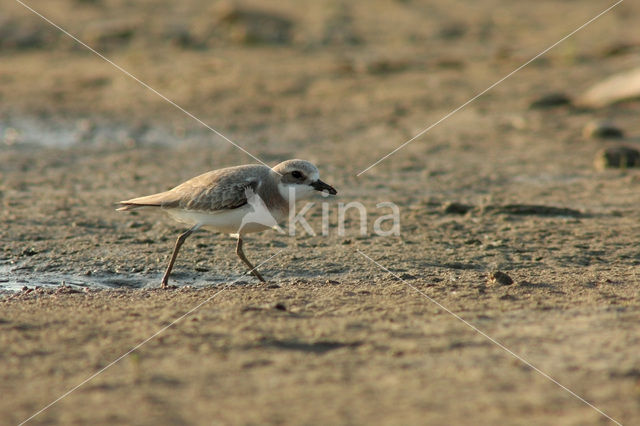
column 301, row 165
column 315, row 175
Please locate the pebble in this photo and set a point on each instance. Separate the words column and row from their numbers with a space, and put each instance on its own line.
column 29, row 251
column 450, row 64
column 550, row 100
column 619, row 87
column 23, row 34
column 381, row 66
column 618, row 157
column 531, row 210
column 499, row 277
column 456, row 208
column 453, row 30
column 178, row 34
column 407, row 276
column 253, row 26
column 602, row 130
column 108, row 34
column 135, row 224
column 618, row 48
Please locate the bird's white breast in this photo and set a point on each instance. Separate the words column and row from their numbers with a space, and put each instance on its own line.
column 240, row 220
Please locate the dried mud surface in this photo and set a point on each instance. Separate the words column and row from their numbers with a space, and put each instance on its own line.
column 333, row 338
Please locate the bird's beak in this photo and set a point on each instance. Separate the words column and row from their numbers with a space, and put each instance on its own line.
column 321, row 186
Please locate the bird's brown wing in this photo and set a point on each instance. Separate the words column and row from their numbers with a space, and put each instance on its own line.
column 213, row 193
column 217, row 190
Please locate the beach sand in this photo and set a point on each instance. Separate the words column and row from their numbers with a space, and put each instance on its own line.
column 333, row 338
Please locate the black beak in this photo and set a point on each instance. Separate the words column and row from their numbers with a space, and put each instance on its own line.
column 321, row 186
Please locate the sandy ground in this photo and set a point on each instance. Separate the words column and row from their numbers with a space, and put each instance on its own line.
column 333, row 338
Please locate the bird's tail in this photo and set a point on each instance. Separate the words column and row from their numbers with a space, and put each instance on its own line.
column 162, row 199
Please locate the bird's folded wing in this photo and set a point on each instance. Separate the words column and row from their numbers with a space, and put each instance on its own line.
column 212, row 192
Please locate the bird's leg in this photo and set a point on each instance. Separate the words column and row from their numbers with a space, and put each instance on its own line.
column 242, row 257
column 176, row 249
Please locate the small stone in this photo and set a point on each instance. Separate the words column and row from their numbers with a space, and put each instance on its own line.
column 135, row 224
column 449, row 64
column 602, row 130
column 23, row 34
column 280, row 307
column 550, row 100
column 620, row 157
column 380, row 66
column 499, row 277
column 177, row 33
column 108, row 34
column 253, row 26
column 29, row 251
column 618, row 48
column 407, row 276
column 621, row 87
column 456, row 208
column 531, row 210
column 452, row 30
column 508, row 297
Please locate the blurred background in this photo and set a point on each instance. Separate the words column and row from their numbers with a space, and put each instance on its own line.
column 273, row 76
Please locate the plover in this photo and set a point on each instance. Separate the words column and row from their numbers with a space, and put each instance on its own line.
column 235, row 200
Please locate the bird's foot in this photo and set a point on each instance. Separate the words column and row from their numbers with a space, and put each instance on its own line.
column 256, row 274
column 166, row 286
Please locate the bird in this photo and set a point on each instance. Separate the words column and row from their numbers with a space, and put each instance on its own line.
column 235, row 200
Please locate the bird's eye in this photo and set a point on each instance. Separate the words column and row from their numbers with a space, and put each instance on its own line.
column 296, row 174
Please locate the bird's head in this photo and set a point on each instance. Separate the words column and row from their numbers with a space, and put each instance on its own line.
column 301, row 178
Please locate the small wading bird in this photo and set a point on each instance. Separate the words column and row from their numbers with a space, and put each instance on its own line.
column 235, row 200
